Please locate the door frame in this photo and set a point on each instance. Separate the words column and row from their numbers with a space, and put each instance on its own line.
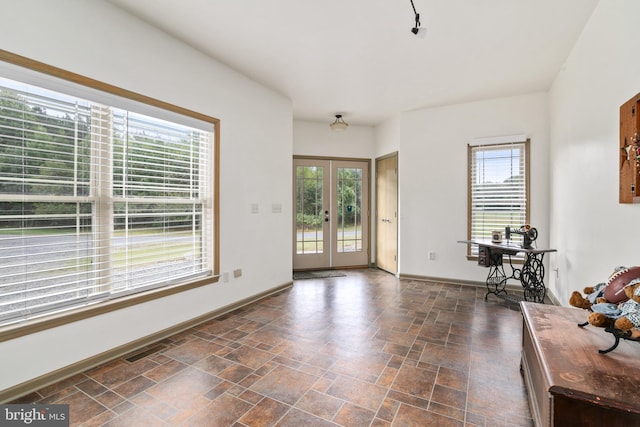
column 368, row 179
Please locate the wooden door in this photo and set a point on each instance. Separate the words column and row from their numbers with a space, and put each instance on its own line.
column 387, row 213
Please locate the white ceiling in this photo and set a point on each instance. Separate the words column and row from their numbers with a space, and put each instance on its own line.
column 359, row 57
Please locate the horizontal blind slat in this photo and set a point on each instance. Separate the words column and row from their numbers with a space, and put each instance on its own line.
column 95, row 201
column 497, row 185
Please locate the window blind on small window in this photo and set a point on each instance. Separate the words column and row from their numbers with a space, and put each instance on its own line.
column 498, row 194
column 96, row 202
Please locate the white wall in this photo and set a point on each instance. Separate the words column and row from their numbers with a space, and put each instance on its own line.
column 316, row 139
column 387, row 136
column 433, row 178
column 591, row 230
column 97, row 40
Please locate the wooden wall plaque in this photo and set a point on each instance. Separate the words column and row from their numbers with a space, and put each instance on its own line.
column 630, row 151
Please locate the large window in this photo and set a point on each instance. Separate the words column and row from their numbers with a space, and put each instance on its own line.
column 498, row 188
column 100, row 196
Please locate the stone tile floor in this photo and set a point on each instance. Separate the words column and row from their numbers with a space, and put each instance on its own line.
column 366, row 349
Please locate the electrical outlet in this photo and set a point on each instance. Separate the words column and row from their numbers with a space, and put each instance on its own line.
column 225, row 277
column 237, row 273
column 432, row 256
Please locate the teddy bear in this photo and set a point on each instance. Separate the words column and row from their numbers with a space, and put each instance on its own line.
column 606, row 292
column 593, row 295
column 608, row 301
column 624, row 316
column 631, row 308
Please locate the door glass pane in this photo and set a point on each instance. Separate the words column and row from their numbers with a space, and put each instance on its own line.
column 349, row 230
column 309, row 210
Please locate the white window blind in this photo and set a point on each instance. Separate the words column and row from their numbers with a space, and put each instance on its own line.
column 96, row 202
column 498, row 193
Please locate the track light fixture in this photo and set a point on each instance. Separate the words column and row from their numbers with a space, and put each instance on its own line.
column 417, row 28
column 339, row 124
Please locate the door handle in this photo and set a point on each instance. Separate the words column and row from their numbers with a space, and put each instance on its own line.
column 326, row 216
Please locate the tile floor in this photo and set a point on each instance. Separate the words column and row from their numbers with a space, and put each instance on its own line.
column 366, row 349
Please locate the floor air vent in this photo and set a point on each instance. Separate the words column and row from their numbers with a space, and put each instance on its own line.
column 147, row 351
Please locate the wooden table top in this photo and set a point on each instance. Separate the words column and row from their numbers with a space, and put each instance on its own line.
column 508, row 246
column 572, row 364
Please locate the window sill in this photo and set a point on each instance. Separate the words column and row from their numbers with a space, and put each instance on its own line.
column 45, row 322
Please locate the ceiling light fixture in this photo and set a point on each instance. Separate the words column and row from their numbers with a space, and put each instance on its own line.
column 339, row 125
column 417, row 27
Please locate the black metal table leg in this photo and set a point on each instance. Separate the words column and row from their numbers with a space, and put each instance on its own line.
column 496, row 280
column 532, row 278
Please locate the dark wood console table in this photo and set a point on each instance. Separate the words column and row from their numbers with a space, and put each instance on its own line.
column 568, row 382
column 530, row 275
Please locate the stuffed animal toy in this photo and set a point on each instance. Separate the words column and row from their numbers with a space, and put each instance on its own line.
column 593, row 295
column 606, row 301
column 624, row 316
column 630, row 309
column 610, row 292
column 614, row 290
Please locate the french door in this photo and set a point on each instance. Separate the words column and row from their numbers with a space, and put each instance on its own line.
column 331, row 215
